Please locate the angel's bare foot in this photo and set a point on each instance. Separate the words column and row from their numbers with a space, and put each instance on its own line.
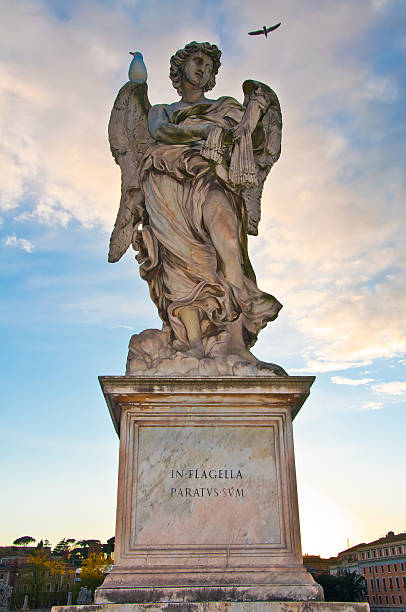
column 273, row 367
column 243, row 352
column 196, row 349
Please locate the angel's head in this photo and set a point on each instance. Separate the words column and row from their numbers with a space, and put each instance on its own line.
column 198, row 62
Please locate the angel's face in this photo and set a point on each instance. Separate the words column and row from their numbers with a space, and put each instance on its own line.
column 198, row 69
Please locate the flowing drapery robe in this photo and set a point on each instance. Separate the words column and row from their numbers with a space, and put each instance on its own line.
column 175, row 251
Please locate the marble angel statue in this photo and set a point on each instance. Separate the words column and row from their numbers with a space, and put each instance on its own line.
column 192, row 178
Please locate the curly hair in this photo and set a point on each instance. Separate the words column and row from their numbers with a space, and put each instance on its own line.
column 178, row 60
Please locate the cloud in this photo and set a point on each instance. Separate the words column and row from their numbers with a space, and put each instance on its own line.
column 395, row 387
column 321, row 366
column 22, row 243
column 56, row 94
column 372, row 406
column 352, row 382
column 47, row 212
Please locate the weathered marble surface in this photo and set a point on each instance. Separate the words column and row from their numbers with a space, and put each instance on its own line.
column 207, row 485
column 192, row 178
column 223, row 606
column 174, row 540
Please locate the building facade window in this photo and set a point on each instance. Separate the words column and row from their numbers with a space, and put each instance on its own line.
column 390, row 583
column 380, row 598
column 400, row 599
column 377, row 584
column 372, row 584
column 384, row 583
column 397, row 582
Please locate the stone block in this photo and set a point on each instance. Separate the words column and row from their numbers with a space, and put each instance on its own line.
column 207, row 503
column 223, row 606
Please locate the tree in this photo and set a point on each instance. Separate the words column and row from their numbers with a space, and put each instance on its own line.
column 80, row 552
column 23, row 541
column 37, row 572
column 108, row 548
column 63, row 548
column 94, row 570
column 346, row 586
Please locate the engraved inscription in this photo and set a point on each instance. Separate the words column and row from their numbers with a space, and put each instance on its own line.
column 209, row 473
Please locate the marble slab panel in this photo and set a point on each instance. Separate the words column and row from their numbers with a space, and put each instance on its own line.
column 206, row 485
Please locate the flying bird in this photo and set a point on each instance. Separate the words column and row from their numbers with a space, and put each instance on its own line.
column 265, row 30
column 137, row 72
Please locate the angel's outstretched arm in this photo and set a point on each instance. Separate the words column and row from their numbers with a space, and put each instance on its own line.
column 163, row 130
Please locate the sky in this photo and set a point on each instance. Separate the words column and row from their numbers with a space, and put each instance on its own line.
column 330, row 248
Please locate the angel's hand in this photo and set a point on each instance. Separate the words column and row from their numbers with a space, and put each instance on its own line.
column 232, row 135
column 238, row 130
column 259, row 97
column 228, row 137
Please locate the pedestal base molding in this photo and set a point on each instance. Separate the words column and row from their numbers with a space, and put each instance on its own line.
column 222, row 606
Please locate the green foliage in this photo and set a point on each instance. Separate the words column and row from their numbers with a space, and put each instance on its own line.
column 36, row 575
column 108, row 548
column 83, row 549
column 346, row 586
column 23, row 541
column 63, row 548
column 94, row 570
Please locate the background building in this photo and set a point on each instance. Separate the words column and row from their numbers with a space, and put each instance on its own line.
column 316, row 565
column 44, row 584
column 383, row 565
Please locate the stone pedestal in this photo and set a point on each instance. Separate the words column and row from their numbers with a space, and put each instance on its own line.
column 207, row 504
column 223, row 606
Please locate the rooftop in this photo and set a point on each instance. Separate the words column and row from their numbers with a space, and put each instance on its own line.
column 390, row 538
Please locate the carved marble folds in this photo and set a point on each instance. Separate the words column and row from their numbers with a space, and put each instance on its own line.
column 192, row 178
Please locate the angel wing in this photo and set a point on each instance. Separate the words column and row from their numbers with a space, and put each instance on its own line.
column 129, row 138
column 267, row 147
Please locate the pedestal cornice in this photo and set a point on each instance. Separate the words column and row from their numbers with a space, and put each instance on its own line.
column 126, row 391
